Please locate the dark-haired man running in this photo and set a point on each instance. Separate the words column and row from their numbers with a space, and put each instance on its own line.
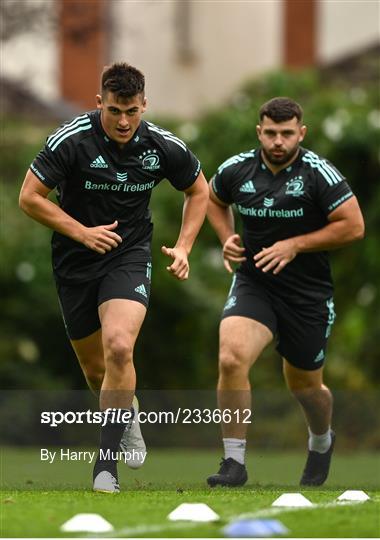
column 104, row 165
column 295, row 207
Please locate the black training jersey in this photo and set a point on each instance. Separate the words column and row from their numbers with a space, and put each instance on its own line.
column 97, row 183
column 295, row 201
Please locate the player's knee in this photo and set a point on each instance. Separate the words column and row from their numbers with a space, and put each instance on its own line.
column 94, row 379
column 304, row 390
column 118, row 350
column 300, row 382
column 230, row 363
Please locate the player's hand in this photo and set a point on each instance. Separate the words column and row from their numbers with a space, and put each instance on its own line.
column 233, row 252
column 101, row 238
column 180, row 267
column 276, row 257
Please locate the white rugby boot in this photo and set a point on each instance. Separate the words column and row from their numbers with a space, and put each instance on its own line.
column 105, row 482
column 132, row 442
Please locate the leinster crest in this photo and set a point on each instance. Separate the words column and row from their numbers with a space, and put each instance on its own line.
column 150, row 160
column 295, row 187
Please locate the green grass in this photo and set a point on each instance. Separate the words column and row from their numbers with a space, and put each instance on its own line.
column 37, row 497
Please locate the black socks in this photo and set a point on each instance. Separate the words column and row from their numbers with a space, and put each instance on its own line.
column 113, row 425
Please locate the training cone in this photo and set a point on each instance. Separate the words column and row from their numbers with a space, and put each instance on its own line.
column 87, row 523
column 353, row 495
column 254, row 528
column 193, row 512
column 292, row 500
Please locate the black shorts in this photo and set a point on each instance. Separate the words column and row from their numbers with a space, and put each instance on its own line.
column 301, row 331
column 80, row 301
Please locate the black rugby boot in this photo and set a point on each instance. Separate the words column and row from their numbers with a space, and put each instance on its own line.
column 231, row 473
column 317, row 466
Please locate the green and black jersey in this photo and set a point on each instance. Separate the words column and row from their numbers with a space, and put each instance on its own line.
column 293, row 202
column 97, row 183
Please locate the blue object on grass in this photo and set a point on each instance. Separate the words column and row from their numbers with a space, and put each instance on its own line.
column 254, row 528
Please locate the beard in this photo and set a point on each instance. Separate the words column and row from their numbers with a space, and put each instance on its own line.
column 284, row 158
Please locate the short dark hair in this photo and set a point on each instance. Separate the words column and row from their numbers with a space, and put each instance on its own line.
column 123, row 80
column 281, row 109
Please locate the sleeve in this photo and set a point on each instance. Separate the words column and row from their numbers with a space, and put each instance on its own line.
column 332, row 187
column 53, row 166
column 183, row 167
column 221, row 184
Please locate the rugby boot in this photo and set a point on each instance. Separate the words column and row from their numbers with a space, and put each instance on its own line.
column 132, row 441
column 317, row 466
column 105, row 482
column 231, row 473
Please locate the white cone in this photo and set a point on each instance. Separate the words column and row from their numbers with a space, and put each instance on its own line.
column 353, row 495
column 87, row 523
column 193, row 512
column 292, row 500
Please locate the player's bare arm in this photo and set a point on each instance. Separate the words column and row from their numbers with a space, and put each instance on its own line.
column 194, row 213
column 346, row 224
column 222, row 220
column 35, row 203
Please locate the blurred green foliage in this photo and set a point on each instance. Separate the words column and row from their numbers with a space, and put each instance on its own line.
column 178, row 344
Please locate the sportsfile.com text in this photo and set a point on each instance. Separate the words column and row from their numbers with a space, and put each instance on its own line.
column 118, row 416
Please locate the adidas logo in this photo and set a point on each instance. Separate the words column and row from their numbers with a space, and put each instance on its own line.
column 248, row 187
column 231, row 302
column 99, row 163
column 320, row 356
column 141, row 289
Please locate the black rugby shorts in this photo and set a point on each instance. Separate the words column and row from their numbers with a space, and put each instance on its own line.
column 79, row 302
column 301, row 331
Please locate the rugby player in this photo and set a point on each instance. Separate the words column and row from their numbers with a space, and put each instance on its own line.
column 104, row 165
column 295, row 206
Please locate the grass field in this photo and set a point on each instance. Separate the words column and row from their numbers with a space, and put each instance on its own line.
column 37, row 498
